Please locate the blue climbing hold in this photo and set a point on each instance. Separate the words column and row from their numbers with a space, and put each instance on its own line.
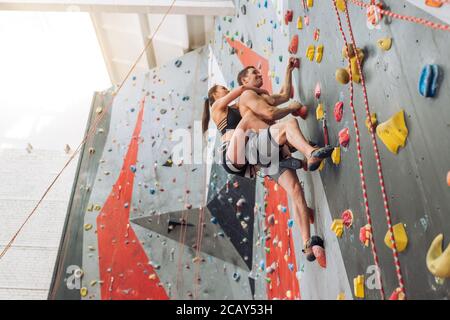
column 265, row 4
column 152, row 191
column 214, row 220
column 277, row 80
column 132, row 110
column 236, row 276
column 232, row 84
column 133, row 168
column 428, row 81
column 262, row 265
column 283, row 209
column 290, row 223
column 291, row 266
column 178, row 63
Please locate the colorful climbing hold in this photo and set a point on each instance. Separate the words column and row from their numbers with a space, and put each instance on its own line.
column 299, row 23
column 316, row 34
column 372, row 121
column 341, row 5
column 310, row 3
column 358, row 286
column 83, row 292
column 400, row 236
column 178, row 63
column 338, row 111
column 448, row 178
column 347, row 218
column 336, row 156
column 397, row 294
column 293, row 46
column 319, row 53
column 438, row 262
column 338, row 227
column 393, row 132
column 320, row 114
column 342, row 76
column 317, row 91
column 365, row 233
column 288, row 16
column 87, row 226
column 341, row 296
column 310, row 52
column 385, row 43
column 428, row 81
column 434, row 3
column 344, row 137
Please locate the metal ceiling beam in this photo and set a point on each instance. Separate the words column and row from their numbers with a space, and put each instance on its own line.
column 185, row 7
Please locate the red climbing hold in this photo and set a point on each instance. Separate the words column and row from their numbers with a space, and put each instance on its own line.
column 338, row 110
column 288, row 16
column 293, row 46
column 347, row 218
column 448, row 178
column 344, row 137
column 302, row 112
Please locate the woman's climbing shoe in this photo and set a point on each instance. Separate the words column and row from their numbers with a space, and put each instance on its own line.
column 315, row 250
column 321, row 153
column 291, row 163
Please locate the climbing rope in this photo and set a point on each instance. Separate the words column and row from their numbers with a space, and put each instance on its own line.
column 425, row 22
column 375, row 147
column 88, row 135
column 360, row 161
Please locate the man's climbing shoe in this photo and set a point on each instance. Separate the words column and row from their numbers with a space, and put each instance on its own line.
column 321, row 153
column 315, row 243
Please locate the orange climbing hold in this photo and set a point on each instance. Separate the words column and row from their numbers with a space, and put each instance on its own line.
column 448, row 178
column 434, row 3
column 293, row 46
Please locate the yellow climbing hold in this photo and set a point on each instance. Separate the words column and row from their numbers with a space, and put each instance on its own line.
column 336, row 155
column 340, row 5
column 341, row 296
column 438, row 262
column 83, row 292
column 319, row 53
column 310, row 52
column 385, row 43
column 310, row 3
column 319, row 112
column 299, row 23
column 393, row 132
column 358, row 286
column 87, row 226
column 400, row 236
column 338, row 227
column 372, row 121
column 356, row 76
column 288, row 294
column 322, row 165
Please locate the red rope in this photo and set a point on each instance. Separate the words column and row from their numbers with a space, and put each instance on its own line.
column 360, row 161
column 421, row 21
column 379, row 168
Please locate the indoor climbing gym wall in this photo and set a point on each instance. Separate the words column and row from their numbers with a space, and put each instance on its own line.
column 390, row 178
column 136, row 219
column 145, row 223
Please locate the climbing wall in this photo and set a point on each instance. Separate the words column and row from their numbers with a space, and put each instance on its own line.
column 145, row 223
column 137, row 226
column 395, row 53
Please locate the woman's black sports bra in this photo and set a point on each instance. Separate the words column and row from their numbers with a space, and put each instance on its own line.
column 230, row 121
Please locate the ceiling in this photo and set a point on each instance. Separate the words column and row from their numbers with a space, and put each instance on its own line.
column 123, row 27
